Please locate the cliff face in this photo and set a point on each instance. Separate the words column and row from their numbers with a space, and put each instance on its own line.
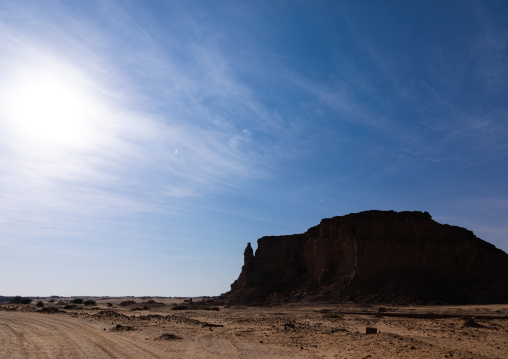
column 375, row 255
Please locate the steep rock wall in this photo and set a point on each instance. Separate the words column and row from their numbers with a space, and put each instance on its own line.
column 375, row 255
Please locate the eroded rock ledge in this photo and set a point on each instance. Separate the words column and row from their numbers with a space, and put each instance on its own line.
column 379, row 256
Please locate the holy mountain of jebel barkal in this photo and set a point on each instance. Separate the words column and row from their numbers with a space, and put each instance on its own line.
column 374, row 256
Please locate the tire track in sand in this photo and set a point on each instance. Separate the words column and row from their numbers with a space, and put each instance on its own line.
column 42, row 336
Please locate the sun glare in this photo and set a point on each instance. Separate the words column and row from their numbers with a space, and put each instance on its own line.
column 50, row 109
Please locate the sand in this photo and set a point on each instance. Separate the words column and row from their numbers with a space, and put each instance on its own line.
column 285, row 331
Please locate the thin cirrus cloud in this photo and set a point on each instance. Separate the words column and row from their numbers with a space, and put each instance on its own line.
column 134, row 155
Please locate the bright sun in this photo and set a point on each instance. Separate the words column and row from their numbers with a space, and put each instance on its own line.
column 49, row 109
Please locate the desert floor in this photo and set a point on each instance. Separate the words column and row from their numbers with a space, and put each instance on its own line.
column 153, row 330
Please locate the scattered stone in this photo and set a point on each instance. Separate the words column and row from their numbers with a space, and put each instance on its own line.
column 51, row 310
column 169, row 336
column 370, row 330
column 126, row 303
column 152, row 303
column 122, row 328
column 109, row 314
column 470, row 322
column 289, row 325
column 211, row 325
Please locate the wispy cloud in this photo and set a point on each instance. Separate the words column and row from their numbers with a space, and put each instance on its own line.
column 425, row 114
column 164, row 128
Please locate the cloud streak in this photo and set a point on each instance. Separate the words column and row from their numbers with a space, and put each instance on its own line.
column 139, row 159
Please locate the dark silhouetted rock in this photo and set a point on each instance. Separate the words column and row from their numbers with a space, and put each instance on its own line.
column 376, row 256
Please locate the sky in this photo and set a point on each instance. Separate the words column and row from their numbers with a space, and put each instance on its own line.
column 144, row 143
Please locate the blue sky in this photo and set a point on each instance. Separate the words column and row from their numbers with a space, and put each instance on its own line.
column 144, row 143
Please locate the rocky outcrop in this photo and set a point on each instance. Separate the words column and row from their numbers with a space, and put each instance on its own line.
column 381, row 256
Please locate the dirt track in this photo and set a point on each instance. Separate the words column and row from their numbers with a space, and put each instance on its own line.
column 255, row 332
column 41, row 336
column 30, row 335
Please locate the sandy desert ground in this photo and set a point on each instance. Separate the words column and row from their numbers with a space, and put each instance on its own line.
column 154, row 330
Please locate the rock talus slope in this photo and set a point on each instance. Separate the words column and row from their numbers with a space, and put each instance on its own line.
column 382, row 256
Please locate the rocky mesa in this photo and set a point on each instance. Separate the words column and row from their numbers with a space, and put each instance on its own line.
column 374, row 256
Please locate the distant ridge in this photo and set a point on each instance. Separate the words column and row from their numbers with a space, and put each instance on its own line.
column 374, row 256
